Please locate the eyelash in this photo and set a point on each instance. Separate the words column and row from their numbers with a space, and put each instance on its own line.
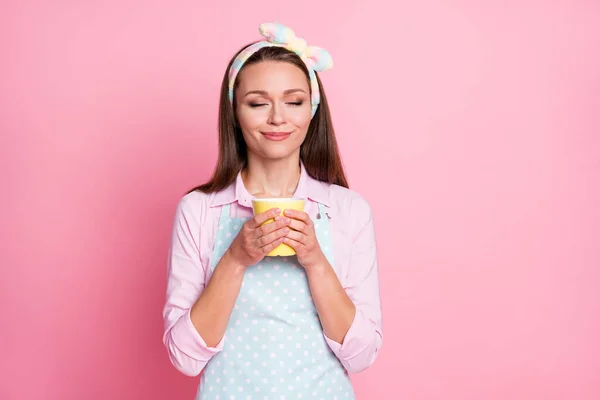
column 294, row 103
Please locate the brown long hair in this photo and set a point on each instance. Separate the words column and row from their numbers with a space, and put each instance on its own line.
column 318, row 152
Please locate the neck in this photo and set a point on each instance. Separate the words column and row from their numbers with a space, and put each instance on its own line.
column 271, row 178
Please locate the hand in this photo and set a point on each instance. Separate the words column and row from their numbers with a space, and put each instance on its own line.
column 303, row 239
column 255, row 240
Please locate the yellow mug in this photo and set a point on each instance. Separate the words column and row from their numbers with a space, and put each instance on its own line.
column 283, row 203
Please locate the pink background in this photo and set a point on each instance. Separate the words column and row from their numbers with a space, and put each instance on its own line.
column 473, row 128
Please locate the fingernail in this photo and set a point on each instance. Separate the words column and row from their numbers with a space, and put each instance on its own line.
column 286, row 220
column 276, row 211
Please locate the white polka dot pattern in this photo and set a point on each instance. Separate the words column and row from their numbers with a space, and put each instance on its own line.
column 274, row 345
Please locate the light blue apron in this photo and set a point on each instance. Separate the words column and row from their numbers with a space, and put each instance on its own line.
column 274, row 346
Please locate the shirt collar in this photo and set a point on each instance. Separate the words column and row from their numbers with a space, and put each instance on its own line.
column 308, row 188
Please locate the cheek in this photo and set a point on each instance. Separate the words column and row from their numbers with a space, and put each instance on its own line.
column 301, row 120
column 249, row 121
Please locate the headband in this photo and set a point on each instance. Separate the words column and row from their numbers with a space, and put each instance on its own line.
column 315, row 58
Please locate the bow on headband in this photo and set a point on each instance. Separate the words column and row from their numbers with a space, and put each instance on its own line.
column 315, row 58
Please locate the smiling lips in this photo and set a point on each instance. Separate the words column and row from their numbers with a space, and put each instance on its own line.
column 276, row 136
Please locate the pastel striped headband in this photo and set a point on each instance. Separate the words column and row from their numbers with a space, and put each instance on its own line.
column 315, row 58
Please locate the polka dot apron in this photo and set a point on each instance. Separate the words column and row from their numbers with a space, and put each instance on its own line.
column 274, row 347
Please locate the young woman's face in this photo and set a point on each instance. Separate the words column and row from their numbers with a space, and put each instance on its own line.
column 273, row 108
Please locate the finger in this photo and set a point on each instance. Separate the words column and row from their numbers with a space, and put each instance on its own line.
column 271, row 246
column 261, row 218
column 294, row 244
column 270, row 227
column 298, row 225
column 296, row 214
column 271, row 237
column 296, row 236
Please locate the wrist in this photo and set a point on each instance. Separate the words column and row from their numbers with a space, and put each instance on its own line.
column 318, row 269
column 232, row 262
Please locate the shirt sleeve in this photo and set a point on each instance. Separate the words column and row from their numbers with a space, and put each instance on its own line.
column 364, row 338
column 187, row 350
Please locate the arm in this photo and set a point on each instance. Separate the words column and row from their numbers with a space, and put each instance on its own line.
column 196, row 316
column 187, row 349
column 350, row 314
column 211, row 313
column 336, row 310
column 364, row 338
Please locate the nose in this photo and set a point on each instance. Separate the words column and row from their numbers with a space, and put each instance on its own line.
column 276, row 117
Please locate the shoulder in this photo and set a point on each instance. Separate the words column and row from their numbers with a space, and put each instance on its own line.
column 350, row 207
column 193, row 201
column 348, row 200
column 194, row 206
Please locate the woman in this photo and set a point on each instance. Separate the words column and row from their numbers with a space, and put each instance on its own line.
column 274, row 327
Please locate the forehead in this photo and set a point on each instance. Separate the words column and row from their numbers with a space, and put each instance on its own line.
column 272, row 76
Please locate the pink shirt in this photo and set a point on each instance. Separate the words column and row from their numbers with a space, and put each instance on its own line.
column 355, row 264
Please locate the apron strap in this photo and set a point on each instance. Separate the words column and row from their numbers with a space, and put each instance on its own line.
column 225, row 212
column 323, row 233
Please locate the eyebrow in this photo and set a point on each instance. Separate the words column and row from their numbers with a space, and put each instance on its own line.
column 265, row 93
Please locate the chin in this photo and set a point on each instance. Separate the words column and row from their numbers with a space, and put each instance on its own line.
column 277, row 154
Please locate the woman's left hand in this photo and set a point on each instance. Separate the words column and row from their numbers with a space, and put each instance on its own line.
column 303, row 240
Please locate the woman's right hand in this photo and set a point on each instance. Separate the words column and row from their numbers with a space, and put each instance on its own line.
column 255, row 240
